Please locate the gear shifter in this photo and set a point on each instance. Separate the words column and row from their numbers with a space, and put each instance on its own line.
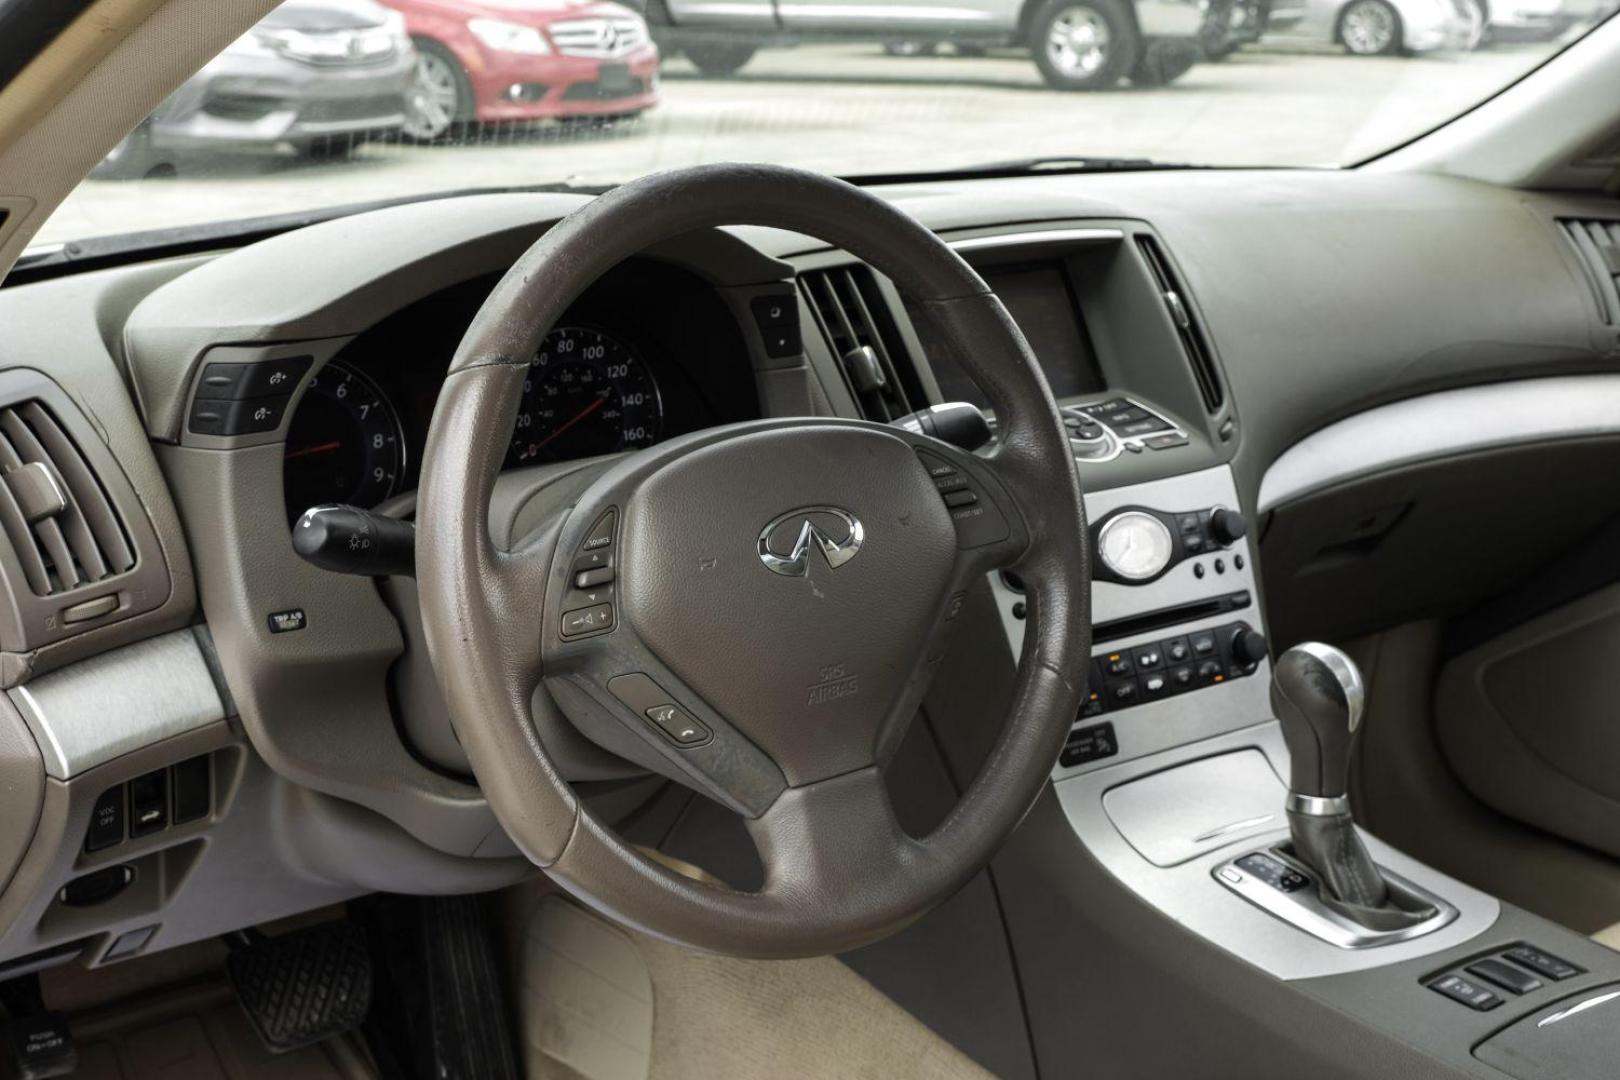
column 1317, row 695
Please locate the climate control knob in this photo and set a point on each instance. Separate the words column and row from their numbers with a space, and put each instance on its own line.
column 1249, row 647
column 1227, row 526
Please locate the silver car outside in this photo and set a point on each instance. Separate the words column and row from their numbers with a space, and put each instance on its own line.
column 310, row 71
column 1372, row 27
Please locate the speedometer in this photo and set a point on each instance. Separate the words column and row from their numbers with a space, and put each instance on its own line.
column 586, row 393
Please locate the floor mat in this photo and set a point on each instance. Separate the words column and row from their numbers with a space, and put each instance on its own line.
column 603, row 1004
column 198, row 1032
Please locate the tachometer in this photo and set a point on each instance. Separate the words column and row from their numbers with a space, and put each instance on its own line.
column 586, row 393
column 344, row 444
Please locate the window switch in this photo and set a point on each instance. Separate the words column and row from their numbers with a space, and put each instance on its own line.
column 149, row 803
column 106, row 820
column 191, row 790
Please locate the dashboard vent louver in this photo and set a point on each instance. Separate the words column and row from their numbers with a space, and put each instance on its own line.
column 1597, row 243
column 54, row 511
column 1193, row 342
column 853, row 317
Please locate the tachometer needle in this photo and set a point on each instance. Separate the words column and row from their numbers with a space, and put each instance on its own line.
column 323, row 448
column 571, row 421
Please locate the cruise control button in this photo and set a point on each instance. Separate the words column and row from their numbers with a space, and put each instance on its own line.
column 960, row 498
column 587, row 620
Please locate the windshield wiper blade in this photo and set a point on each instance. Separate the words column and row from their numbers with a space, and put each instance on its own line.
column 1031, row 166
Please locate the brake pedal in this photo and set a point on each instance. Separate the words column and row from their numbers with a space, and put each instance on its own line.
column 305, row 986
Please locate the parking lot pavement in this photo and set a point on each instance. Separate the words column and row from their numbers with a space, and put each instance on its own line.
column 850, row 109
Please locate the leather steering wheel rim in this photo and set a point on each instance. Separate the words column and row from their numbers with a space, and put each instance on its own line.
column 839, row 870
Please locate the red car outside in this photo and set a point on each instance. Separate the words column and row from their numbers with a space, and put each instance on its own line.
column 502, row 60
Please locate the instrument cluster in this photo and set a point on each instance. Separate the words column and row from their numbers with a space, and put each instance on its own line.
column 648, row 352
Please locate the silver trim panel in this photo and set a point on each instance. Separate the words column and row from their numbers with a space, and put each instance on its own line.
column 91, row 712
column 1306, row 910
column 1038, row 239
column 1189, row 895
column 1443, row 425
column 1167, row 722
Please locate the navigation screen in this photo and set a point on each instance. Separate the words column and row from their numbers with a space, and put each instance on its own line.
column 1040, row 301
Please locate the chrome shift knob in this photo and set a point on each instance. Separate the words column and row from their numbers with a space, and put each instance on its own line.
column 1318, row 698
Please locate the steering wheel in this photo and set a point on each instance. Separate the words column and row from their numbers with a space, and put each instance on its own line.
column 753, row 610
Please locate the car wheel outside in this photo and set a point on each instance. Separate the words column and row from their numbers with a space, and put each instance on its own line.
column 1084, row 44
column 719, row 59
column 1370, row 28
column 440, row 98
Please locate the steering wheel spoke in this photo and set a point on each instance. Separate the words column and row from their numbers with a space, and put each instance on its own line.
column 832, row 837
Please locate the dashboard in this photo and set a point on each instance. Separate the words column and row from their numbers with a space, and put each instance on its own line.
column 647, row 353
column 1200, row 330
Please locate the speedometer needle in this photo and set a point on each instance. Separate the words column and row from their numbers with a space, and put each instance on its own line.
column 571, row 421
column 323, row 448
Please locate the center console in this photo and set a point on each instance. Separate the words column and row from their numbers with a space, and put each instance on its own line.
column 1180, row 786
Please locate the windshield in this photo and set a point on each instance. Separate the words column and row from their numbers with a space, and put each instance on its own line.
column 334, row 102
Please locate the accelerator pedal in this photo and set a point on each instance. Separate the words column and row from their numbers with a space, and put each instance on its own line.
column 471, row 1039
column 304, row 986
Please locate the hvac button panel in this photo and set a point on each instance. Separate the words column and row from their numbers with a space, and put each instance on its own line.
column 1121, row 678
column 587, row 604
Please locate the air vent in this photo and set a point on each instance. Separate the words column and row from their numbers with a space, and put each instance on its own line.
column 858, row 327
column 53, row 509
column 1193, row 342
column 1598, row 245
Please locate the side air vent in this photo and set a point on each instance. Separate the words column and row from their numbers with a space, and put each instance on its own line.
column 77, row 549
column 855, row 321
column 1193, row 341
column 59, row 520
column 1598, row 245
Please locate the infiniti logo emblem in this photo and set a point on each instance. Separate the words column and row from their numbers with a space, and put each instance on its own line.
column 785, row 543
